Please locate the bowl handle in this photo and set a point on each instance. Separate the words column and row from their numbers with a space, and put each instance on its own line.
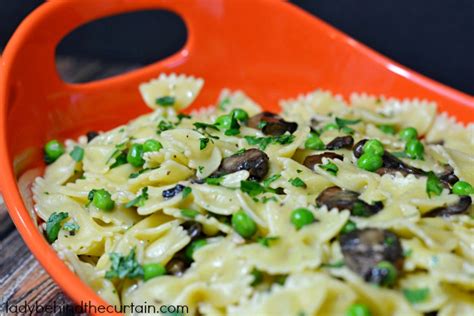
column 33, row 45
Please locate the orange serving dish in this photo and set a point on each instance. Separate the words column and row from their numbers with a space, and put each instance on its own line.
column 269, row 49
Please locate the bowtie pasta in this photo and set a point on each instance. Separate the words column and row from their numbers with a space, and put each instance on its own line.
column 327, row 208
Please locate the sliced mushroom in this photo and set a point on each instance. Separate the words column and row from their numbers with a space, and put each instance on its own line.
column 91, row 135
column 392, row 164
column 168, row 194
column 460, row 207
column 335, row 197
column 177, row 266
column 363, row 249
column 341, row 142
column 359, row 148
column 312, row 160
column 448, row 176
column 255, row 161
column 194, row 229
column 271, row 124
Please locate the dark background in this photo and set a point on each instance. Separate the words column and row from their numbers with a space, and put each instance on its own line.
column 436, row 38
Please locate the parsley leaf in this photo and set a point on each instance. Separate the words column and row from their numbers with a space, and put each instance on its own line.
column 252, row 188
column 266, row 241
column 201, row 125
column 203, row 143
column 124, row 267
column 53, row 225
column 343, row 122
column 263, row 142
column 186, row 192
column 77, row 153
column 186, row 212
column 297, row 182
column 433, row 185
column 330, row 168
column 416, row 295
column 139, row 200
column 214, row 181
column 182, row 116
column 400, row 154
column 337, row 264
column 266, row 199
column 200, row 169
column 165, row 101
column 72, row 227
column 136, row 174
column 164, row 126
column 266, row 183
column 121, row 159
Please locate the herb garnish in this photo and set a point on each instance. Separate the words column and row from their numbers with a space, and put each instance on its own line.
column 263, row 142
column 297, row 182
column 53, row 225
column 266, row 241
column 77, row 153
column 416, row 295
column 139, row 200
column 165, row 101
column 330, row 168
column 124, row 267
column 433, row 185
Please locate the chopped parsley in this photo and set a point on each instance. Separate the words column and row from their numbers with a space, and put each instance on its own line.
column 337, row 264
column 433, row 185
column 214, row 181
column 387, row 129
column 343, row 122
column 136, row 174
column 263, row 142
column 124, row 267
column 416, row 295
column 186, row 192
column 186, row 212
column 71, row 226
column 297, row 182
column 77, row 153
column 400, row 154
column 200, row 169
column 203, row 143
column 407, row 252
column 165, row 101
column 182, row 116
column 201, row 125
column 330, row 168
column 266, row 183
column 266, row 199
column 266, row 241
column 164, row 126
column 53, row 225
column 252, row 188
column 120, row 155
column 139, row 200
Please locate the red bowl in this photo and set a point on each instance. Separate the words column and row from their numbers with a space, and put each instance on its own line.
column 269, row 49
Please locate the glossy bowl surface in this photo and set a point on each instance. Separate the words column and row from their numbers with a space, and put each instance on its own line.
column 269, row 49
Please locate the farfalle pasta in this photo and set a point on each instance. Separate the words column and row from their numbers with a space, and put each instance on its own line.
column 328, row 208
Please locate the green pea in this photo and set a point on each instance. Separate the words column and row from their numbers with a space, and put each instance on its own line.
column 151, row 145
column 257, row 277
column 387, row 129
column 224, row 121
column 463, row 188
column 330, row 126
column 358, row 310
column 243, row 224
column 414, row 149
column 391, row 273
column 348, row 227
column 373, row 146
column 369, row 162
column 53, row 150
column 301, row 217
column 152, row 270
column 313, row 142
column 103, row 200
column 240, row 115
column 192, row 247
column 134, row 156
column 408, row 133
